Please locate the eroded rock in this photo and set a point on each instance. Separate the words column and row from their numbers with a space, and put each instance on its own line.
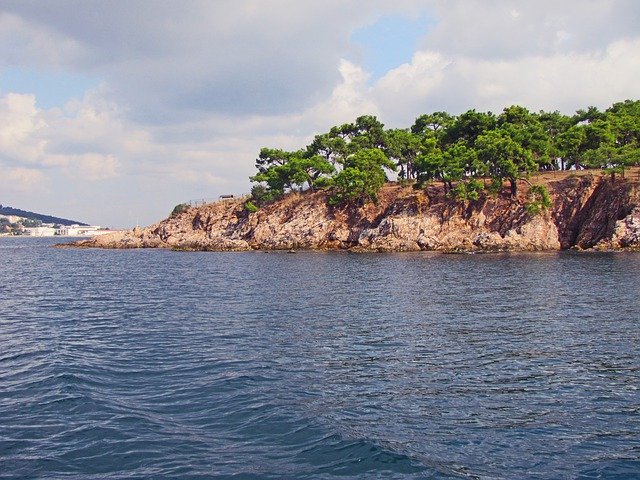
column 588, row 211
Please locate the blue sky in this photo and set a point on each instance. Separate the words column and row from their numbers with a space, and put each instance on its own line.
column 387, row 42
column 390, row 41
column 52, row 89
column 114, row 112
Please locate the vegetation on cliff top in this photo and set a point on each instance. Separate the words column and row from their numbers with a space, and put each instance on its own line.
column 353, row 160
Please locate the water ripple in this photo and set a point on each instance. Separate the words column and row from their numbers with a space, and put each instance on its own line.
column 152, row 364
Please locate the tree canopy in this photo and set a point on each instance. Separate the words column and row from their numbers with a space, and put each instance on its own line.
column 353, row 160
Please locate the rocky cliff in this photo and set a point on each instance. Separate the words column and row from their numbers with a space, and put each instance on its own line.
column 589, row 210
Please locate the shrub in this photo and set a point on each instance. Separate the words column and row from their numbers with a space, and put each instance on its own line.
column 261, row 194
column 495, row 186
column 474, row 187
column 469, row 190
column 178, row 209
column 539, row 200
column 459, row 191
column 250, row 207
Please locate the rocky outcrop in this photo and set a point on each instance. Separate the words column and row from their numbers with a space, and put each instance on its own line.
column 589, row 211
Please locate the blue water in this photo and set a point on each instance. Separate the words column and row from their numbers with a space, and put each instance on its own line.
column 156, row 364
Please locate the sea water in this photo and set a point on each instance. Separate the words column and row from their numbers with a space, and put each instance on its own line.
column 157, row 364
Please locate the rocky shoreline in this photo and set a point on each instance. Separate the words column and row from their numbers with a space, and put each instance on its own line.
column 589, row 211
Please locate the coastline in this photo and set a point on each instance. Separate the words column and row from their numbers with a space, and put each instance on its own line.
column 588, row 212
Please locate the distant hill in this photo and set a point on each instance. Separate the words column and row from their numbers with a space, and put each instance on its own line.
column 38, row 216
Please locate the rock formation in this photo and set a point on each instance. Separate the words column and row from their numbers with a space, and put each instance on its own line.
column 589, row 211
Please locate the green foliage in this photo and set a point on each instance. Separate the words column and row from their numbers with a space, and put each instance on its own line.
column 366, row 132
column 403, row 147
column 468, row 127
column 495, row 186
column 554, row 124
column 526, row 129
column 539, row 200
column 469, row 190
column 453, row 150
column 604, row 156
column 361, row 178
column 460, row 161
column 624, row 118
column 597, row 134
column 250, row 207
column 281, row 171
column 433, row 124
column 430, row 163
column 270, row 157
column 474, row 187
column 351, row 185
column 331, row 147
column 613, row 171
column 323, row 183
column 459, row 191
column 589, row 115
column 569, row 144
column 260, row 194
column 505, row 157
column 178, row 209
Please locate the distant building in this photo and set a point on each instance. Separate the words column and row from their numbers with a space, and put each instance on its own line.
column 40, row 231
column 79, row 231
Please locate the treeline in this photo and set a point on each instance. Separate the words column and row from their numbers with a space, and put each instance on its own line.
column 38, row 216
column 352, row 160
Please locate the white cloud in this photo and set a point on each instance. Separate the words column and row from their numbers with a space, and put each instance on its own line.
column 166, row 60
column 21, row 179
column 564, row 81
column 348, row 100
column 403, row 92
column 85, row 167
column 511, row 29
column 192, row 90
column 20, row 128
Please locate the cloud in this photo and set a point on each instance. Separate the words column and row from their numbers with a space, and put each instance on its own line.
column 165, row 60
column 348, row 100
column 28, row 44
column 404, row 92
column 20, row 179
column 79, row 142
column 167, row 63
column 21, row 125
column 190, row 91
column 91, row 167
column 512, row 29
column 559, row 81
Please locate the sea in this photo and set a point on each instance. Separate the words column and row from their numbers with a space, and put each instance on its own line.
column 135, row 364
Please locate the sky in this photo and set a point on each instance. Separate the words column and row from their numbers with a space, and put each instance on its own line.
column 111, row 113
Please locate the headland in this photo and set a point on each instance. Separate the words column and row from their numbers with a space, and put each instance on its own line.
column 588, row 211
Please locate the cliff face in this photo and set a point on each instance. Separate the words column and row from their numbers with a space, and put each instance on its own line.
column 589, row 211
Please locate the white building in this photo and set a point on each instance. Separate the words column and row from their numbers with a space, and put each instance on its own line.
column 80, row 231
column 40, row 231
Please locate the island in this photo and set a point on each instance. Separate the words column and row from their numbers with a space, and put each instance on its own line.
column 476, row 182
